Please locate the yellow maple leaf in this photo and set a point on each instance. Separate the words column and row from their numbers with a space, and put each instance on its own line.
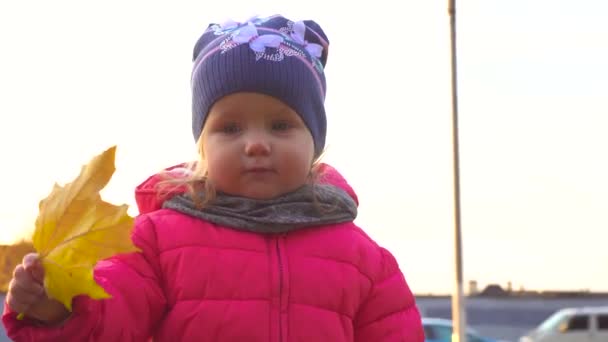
column 75, row 229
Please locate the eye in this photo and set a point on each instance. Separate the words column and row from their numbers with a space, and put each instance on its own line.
column 281, row 125
column 231, row 128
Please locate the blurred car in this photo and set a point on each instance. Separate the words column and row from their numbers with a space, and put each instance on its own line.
column 440, row 330
column 585, row 324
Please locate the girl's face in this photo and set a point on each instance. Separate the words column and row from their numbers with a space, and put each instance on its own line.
column 256, row 146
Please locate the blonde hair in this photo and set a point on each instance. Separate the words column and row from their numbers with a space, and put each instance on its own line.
column 192, row 177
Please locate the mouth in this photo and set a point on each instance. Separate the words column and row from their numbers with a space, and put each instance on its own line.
column 258, row 170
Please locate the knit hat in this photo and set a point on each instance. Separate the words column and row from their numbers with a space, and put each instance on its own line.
column 273, row 56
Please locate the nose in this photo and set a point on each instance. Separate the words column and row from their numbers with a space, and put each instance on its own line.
column 257, row 144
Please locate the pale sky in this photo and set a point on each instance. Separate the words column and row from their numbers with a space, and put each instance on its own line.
column 77, row 77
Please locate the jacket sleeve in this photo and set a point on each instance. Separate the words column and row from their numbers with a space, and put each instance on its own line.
column 389, row 313
column 136, row 305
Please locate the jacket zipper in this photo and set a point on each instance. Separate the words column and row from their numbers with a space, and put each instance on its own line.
column 280, row 290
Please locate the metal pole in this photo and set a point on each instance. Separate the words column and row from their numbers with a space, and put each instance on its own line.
column 458, row 307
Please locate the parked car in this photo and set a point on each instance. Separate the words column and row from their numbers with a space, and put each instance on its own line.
column 440, row 330
column 586, row 324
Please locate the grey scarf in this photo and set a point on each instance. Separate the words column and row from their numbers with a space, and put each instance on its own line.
column 305, row 207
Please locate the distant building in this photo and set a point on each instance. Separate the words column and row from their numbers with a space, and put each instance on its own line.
column 473, row 289
column 494, row 290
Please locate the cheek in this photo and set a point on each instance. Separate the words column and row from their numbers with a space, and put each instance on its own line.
column 209, row 155
column 309, row 146
column 213, row 164
column 222, row 162
column 299, row 160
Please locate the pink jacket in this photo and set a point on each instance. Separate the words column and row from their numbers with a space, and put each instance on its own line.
column 196, row 281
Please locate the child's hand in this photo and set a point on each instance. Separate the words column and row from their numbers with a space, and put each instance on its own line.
column 26, row 293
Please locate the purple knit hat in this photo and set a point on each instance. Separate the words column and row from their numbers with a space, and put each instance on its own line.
column 273, row 56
